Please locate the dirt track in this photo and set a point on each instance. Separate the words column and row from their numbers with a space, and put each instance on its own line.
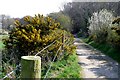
column 94, row 63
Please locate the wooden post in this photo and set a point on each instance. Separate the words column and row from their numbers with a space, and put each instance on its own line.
column 30, row 67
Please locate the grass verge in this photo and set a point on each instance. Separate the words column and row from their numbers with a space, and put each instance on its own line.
column 106, row 49
column 1, row 43
column 68, row 68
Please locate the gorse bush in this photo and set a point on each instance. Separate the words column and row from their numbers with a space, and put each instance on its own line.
column 100, row 23
column 36, row 33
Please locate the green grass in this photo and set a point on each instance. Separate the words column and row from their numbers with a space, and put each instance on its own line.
column 1, row 44
column 66, row 68
column 2, row 37
column 1, row 47
column 106, row 49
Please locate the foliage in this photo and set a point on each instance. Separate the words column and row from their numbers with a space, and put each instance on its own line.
column 100, row 24
column 64, row 20
column 6, row 66
column 3, row 32
column 79, row 12
column 107, row 49
column 1, row 42
column 67, row 68
column 36, row 33
column 117, row 20
column 1, row 45
column 104, row 29
column 7, row 22
column 109, row 40
column 114, row 34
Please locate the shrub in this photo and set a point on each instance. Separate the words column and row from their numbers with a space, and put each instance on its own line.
column 64, row 20
column 114, row 34
column 100, row 23
column 34, row 34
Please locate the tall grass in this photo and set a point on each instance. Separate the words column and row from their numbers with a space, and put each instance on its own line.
column 67, row 68
column 1, row 42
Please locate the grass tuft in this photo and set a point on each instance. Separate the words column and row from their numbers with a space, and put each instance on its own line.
column 68, row 68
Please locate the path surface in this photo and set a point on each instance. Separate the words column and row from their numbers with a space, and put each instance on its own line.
column 94, row 63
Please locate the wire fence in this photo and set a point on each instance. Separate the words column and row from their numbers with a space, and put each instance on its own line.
column 18, row 67
column 13, row 71
column 51, row 63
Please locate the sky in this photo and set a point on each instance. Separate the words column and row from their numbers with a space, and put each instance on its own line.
column 21, row 8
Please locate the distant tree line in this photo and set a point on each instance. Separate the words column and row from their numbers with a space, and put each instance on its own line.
column 6, row 22
column 80, row 12
column 74, row 17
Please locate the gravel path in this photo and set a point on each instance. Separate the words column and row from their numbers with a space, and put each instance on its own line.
column 95, row 64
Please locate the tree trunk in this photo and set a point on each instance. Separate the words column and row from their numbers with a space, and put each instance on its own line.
column 30, row 67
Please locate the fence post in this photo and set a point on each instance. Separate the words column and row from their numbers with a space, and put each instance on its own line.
column 30, row 67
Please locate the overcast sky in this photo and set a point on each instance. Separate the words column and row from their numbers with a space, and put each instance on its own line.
column 20, row 8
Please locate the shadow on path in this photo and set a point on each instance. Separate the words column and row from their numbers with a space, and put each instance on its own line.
column 94, row 63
